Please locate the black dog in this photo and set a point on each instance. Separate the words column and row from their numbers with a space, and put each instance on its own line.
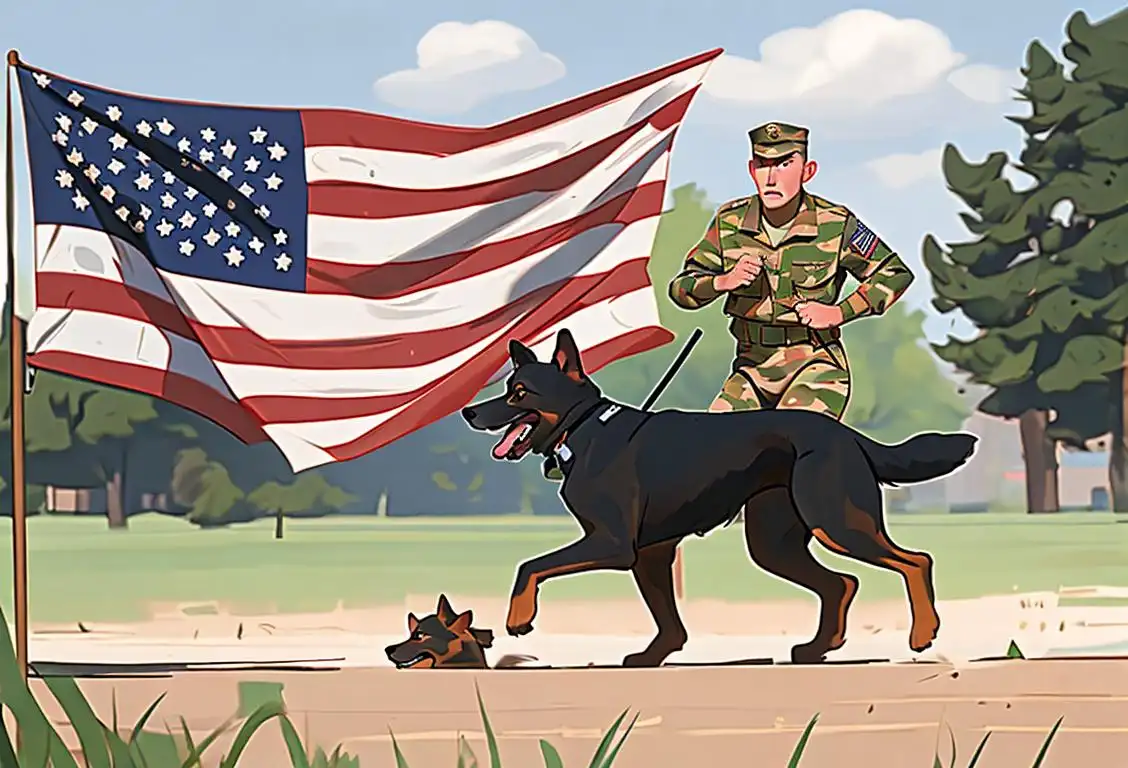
column 639, row 482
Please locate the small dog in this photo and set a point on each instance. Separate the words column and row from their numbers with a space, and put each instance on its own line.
column 638, row 482
column 445, row 640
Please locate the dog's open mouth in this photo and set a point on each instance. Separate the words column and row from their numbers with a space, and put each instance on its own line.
column 412, row 661
column 516, row 441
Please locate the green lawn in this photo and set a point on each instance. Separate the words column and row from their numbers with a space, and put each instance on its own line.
column 79, row 570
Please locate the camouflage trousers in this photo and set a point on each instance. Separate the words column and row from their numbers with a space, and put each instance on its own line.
column 807, row 376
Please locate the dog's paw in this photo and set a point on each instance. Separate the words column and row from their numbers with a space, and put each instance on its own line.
column 809, row 653
column 643, row 659
column 516, row 630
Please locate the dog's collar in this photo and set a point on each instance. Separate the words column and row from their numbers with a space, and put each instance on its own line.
column 562, row 451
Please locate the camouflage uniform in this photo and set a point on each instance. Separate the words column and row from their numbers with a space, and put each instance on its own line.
column 781, row 363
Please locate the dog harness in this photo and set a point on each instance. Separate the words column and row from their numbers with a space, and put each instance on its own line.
column 564, row 454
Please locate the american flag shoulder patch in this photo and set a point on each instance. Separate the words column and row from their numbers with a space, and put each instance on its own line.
column 864, row 241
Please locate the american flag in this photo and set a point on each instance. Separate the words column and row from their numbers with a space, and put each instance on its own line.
column 332, row 280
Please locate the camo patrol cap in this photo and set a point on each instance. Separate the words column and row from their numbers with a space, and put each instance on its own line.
column 772, row 140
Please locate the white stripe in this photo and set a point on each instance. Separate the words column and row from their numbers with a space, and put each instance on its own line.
column 121, row 340
column 285, row 315
column 613, row 316
column 349, row 240
column 303, row 443
column 496, row 161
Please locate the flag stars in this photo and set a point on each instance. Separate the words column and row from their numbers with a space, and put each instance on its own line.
column 246, row 190
column 225, row 173
column 186, row 220
column 92, row 172
column 234, row 256
column 60, row 138
column 168, row 201
column 115, row 166
column 80, row 201
column 42, row 80
column 107, row 192
column 263, row 212
column 232, row 229
column 165, row 228
column 122, row 213
column 258, row 135
column 251, row 164
column 143, row 159
column 280, row 237
column 146, row 212
column 74, row 157
column 256, row 245
column 75, row 99
column 89, row 125
column 165, row 127
column 184, row 145
column 208, row 135
column 228, row 149
column 212, row 237
column 190, row 193
column 210, row 209
column 143, row 181
column 113, row 112
column 144, row 128
column 282, row 262
column 118, row 142
column 187, row 247
column 206, row 155
column 63, row 121
column 273, row 182
column 64, row 179
column 169, row 178
column 277, row 152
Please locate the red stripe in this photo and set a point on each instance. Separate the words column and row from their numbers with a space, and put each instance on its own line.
column 177, row 388
column 570, row 297
column 447, row 397
column 371, row 201
column 60, row 290
column 347, row 128
column 394, row 279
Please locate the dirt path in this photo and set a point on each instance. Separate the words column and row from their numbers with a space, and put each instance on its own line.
column 872, row 716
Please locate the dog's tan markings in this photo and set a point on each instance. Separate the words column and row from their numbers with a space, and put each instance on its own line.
column 523, row 605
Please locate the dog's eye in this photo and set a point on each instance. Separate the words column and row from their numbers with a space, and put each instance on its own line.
column 517, row 394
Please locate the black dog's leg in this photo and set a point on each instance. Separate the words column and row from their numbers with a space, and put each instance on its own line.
column 839, row 499
column 654, row 575
column 779, row 543
column 595, row 552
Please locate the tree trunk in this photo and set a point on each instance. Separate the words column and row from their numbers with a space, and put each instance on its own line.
column 115, row 501
column 1118, row 451
column 278, row 524
column 1039, row 454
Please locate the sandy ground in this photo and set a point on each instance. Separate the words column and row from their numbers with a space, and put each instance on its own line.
column 889, row 712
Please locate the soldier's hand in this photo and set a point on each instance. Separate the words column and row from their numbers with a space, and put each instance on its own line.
column 743, row 273
column 818, row 316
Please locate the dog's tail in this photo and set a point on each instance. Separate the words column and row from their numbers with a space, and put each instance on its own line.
column 511, row 660
column 921, row 457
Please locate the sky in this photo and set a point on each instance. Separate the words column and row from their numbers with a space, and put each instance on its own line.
column 882, row 87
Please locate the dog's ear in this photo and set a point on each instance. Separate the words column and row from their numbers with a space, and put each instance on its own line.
column 412, row 622
column 520, row 354
column 461, row 623
column 443, row 610
column 567, row 355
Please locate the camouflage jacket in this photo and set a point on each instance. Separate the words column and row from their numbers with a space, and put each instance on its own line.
column 824, row 244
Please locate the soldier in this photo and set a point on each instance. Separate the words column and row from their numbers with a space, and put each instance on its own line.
column 780, row 258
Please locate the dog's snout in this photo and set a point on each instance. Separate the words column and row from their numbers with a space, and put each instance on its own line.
column 390, row 650
column 469, row 413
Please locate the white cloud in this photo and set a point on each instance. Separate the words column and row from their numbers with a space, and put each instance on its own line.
column 986, row 84
column 850, row 64
column 905, row 170
column 460, row 66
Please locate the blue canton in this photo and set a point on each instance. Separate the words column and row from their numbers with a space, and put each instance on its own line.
column 863, row 240
column 212, row 192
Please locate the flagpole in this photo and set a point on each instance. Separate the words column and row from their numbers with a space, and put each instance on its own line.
column 16, row 350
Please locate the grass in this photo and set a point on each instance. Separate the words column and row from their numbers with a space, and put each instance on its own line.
column 367, row 561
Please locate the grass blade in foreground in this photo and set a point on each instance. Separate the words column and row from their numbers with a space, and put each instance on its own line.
column 605, row 743
column 401, row 761
column 615, row 751
column 250, row 727
column 979, row 750
column 294, row 746
column 1046, row 745
column 550, row 755
column 91, row 733
column 491, row 740
column 801, row 747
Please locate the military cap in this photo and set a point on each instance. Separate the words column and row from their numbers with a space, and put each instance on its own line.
column 773, row 140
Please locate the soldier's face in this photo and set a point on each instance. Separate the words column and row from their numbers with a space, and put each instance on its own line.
column 779, row 180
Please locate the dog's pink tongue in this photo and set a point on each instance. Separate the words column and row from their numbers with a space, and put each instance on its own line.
column 501, row 450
